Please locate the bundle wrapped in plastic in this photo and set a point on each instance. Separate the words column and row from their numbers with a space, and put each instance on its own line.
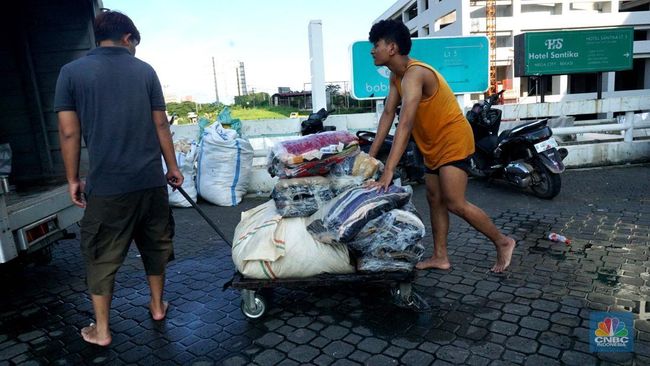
column 267, row 246
column 311, row 155
column 300, row 197
column 368, row 263
column 348, row 213
column 353, row 171
column 362, row 165
column 391, row 242
column 313, row 146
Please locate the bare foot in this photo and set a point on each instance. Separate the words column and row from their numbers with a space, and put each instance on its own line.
column 434, row 263
column 91, row 335
column 504, row 255
column 159, row 314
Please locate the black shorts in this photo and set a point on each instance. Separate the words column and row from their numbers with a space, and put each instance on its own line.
column 109, row 225
column 463, row 165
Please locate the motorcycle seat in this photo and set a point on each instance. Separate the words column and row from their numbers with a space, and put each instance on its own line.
column 521, row 129
column 526, row 127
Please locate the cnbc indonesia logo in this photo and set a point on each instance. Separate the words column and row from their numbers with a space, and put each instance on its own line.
column 612, row 335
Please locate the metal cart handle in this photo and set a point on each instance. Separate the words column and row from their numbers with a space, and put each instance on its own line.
column 205, row 217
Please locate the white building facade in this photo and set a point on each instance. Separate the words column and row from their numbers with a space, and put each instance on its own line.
column 444, row 18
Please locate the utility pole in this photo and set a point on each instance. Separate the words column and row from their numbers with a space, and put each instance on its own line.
column 214, row 73
column 238, row 84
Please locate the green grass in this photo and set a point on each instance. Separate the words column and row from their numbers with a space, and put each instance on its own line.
column 259, row 113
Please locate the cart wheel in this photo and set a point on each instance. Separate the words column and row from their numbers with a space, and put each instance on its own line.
column 405, row 297
column 253, row 305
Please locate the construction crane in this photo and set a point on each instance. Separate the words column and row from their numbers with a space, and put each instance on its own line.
column 491, row 32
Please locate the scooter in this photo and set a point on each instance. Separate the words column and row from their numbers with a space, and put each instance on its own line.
column 526, row 156
column 410, row 168
column 314, row 123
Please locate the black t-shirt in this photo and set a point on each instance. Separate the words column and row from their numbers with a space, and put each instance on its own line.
column 114, row 95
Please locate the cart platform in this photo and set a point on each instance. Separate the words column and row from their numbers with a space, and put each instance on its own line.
column 254, row 305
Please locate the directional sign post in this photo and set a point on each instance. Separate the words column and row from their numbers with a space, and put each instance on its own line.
column 462, row 61
column 571, row 52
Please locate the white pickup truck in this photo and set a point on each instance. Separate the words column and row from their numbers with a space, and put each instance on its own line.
column 35, row 208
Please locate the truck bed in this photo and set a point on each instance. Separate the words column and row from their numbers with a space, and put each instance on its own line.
column 20, row 200
column 28, row 206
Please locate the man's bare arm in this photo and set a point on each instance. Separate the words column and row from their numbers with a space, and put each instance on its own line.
column 70, row 141
column 174, row 176
column 386, row 119
column 411, row 96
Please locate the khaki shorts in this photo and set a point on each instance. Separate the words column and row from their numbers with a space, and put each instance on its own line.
column 111, row 222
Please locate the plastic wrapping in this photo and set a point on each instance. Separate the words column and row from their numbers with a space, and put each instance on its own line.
column 300, row 197
column 311, row 155
column 342, row 183
column 313, row 146
column 391, row 240
column 353, row 171
column 350, row 212
column 372, row 264
column 227, row 121
column 394, row 231
column 361, row 165
column 309, row 168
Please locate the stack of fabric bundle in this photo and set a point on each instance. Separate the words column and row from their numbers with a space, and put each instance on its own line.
column 382, row 228
column 321, row 212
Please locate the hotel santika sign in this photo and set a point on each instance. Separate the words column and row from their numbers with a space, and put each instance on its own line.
column 572, row 52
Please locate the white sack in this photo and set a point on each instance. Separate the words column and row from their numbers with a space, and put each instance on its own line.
column 267, row 246
column 224, row 166
column 186, row 161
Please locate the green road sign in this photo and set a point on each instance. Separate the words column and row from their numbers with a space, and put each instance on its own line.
column 462, row 61
column 572, row 52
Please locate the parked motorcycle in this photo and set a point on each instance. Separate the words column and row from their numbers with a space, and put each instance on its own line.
column 526, row 156
column 314, row 123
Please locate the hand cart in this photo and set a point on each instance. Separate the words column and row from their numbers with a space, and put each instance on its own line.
column 254, row 305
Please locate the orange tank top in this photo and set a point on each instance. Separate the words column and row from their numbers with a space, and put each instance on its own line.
column 441, row 131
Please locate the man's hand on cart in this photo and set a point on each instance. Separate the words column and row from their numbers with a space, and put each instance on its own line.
column 383, row 183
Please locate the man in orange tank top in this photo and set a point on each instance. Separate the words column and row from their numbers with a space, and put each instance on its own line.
column 432, row 115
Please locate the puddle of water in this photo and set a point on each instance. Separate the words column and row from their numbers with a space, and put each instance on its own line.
column 607, row 279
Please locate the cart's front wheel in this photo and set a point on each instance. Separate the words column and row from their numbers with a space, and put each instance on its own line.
column 253, row 305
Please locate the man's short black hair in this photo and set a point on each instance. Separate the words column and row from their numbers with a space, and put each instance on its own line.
column 391, row 30
column 112, row 25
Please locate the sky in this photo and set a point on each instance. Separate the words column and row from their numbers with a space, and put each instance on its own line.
column 271, row 37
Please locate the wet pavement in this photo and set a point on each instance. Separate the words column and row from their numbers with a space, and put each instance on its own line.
column 536, row 314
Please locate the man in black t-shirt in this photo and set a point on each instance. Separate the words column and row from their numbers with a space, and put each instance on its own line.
column 115, row 102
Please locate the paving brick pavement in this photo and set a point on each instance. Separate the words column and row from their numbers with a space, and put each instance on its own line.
column 535, row 314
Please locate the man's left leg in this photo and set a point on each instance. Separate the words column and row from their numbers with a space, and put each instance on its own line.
column 157, row 306
column 453, row 182
column 154, row 241
column 99, row 333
